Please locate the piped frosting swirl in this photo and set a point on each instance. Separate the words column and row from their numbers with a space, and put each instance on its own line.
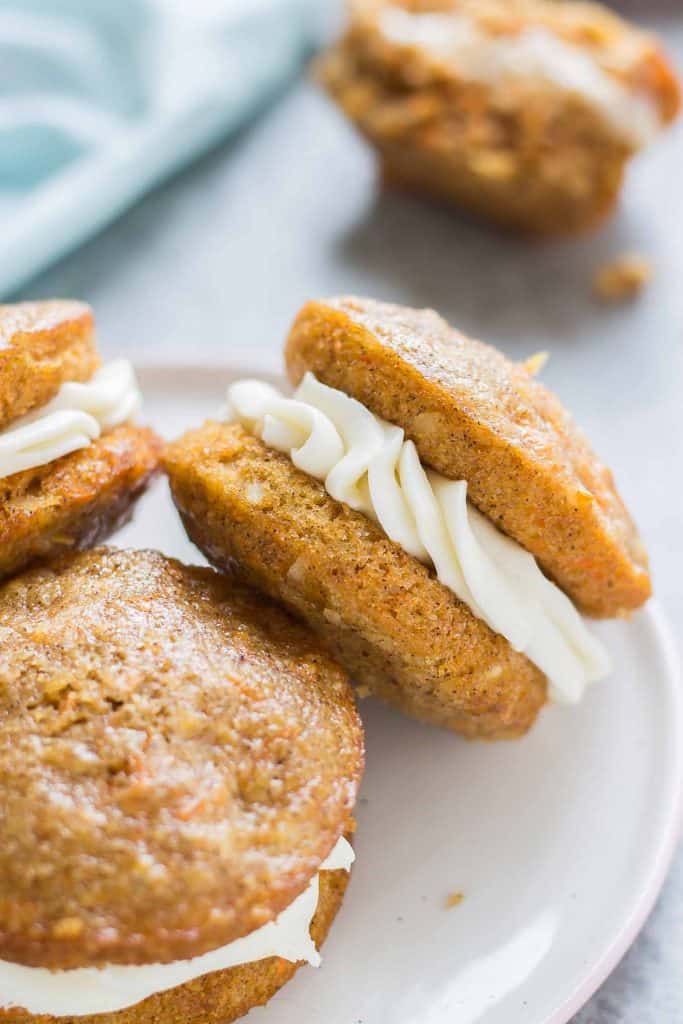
column 77, row 415
column 369, row 465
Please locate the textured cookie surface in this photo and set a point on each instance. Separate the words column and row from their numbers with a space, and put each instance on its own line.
column 216, row 998
column 177, row 758
column 623, row 50
column 476, row 416
column 76, row 500
column 397, row 630
column 42, row 345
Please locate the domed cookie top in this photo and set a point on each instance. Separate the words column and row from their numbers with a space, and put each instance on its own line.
column 42, row 346
column 475, row 415
column 177, row 759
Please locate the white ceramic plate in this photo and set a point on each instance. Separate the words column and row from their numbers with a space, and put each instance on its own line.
column 558, row 842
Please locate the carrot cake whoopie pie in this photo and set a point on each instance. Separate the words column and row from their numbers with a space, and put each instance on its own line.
column 71, row 461
column 426, row 506
column 179, row 763
column 524, row 112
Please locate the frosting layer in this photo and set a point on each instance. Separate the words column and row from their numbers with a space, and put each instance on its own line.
column 90, row 990
column 76, row 416
column 368, row 464
column 532, row 53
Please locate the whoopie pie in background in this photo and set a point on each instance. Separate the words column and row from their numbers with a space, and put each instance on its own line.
column 523, row 112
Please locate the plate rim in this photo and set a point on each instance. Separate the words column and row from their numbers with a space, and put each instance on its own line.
column 671, row 833
column 241, row 358
column 248, row 359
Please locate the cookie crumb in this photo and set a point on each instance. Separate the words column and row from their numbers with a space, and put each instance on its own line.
column 454, row 899
column 363, row 692
column 623, row 278
column 67, row 928
column 535, row 363
column 297, row 570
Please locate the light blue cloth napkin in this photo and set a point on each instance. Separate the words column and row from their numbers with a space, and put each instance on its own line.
column 102, row 99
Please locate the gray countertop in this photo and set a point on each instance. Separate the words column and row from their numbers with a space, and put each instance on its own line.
column 225, row 254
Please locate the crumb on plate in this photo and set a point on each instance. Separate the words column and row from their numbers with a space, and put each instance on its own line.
column 622, row 278
column 535, row 363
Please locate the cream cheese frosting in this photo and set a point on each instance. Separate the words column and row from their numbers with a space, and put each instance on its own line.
column 370, row 466
column 88, row 990
column 533, row 53
column 77, row 415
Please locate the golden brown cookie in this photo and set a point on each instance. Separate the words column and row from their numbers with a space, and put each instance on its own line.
column 425, row 601
column 529, row 151
column 396, row 629
column 43, row 345
column 76, row 501
column 177, row 759
column 476, row 416
column 217, row 998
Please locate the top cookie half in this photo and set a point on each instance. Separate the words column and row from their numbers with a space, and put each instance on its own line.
column 177, row 759
column 42, row 346
column 476, row 416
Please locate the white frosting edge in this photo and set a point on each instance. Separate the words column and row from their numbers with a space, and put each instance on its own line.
column 533, row 53
column 88, row 990
column 368, row 465
column 77, row 415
